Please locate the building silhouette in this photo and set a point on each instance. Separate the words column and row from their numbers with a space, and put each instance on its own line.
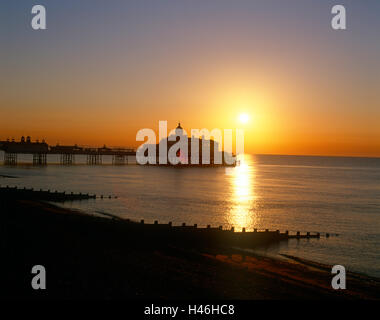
column 208, row 152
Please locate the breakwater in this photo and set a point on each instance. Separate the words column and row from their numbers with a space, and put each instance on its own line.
column 43, row 195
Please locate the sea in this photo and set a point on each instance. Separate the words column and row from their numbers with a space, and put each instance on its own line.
column 335, row 195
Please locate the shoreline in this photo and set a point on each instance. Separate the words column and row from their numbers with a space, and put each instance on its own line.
column 97, row 257
column 299, row 259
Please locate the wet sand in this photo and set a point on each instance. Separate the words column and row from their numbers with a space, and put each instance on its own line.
column 98, row 257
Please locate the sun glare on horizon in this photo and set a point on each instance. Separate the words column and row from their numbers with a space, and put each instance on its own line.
column 244, row 118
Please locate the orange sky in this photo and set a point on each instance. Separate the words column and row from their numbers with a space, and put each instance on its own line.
column 307, row 89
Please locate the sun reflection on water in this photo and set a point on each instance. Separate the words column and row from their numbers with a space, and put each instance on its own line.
column 242, row 212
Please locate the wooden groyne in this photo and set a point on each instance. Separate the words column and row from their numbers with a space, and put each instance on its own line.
column 209, row 236
column 44, row 195
column 256, row 232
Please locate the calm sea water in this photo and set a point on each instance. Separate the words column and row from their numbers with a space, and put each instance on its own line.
column 321, row 194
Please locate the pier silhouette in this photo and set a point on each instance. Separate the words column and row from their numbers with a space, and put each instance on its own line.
column 67, row 153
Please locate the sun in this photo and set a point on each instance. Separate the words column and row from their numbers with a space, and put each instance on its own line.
column 244, row 117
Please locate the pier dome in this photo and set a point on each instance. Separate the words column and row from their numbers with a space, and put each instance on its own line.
column 179, row 130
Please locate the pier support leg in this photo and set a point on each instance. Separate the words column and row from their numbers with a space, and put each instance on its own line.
column 94, row 159
column 10, row 159
column 40, row 159
column 67, row 159
column 119, row 159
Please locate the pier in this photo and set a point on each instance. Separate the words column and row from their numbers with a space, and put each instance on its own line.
column 40, row 151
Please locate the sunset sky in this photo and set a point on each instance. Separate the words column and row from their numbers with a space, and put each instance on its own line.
column 105, row 69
